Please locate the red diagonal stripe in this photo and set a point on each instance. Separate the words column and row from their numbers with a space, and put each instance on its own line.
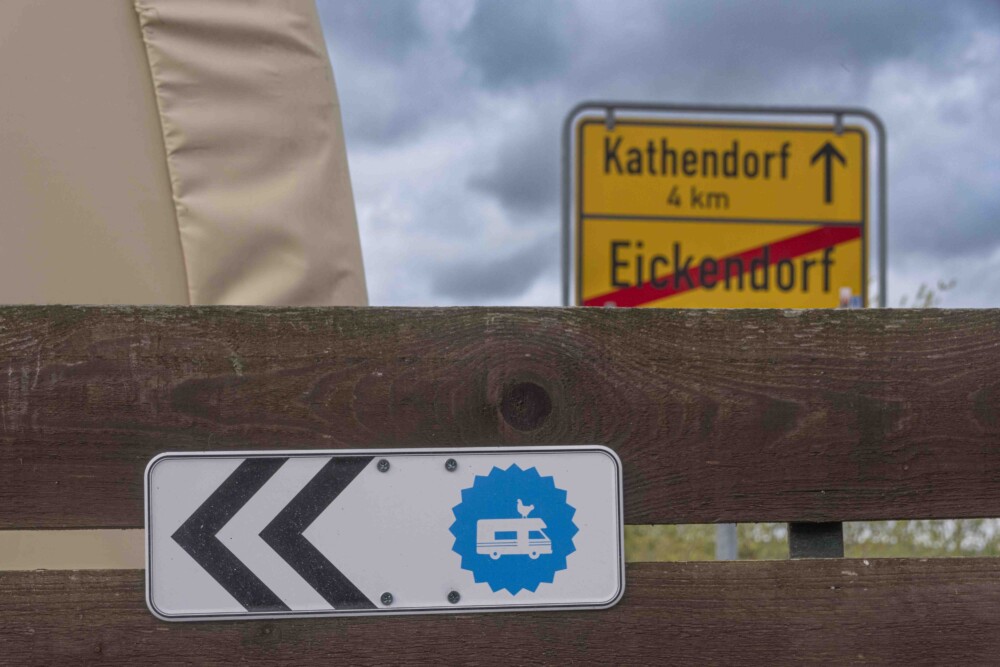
column 794, row 246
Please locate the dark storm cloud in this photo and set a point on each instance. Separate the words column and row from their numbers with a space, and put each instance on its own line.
column 374, row 46
column 684, row 50
column 703, row 43
column 507, row 71
column 758, row 52
column 788, row 35
column 524, row 175
column 944, row 140
column 945, row 214
column 387, row 29
column 480, row 280
column 638, row 49
column 517, row 41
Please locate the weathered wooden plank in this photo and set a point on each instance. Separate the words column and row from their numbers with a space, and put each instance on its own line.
column 820, row 611
column 718, row 415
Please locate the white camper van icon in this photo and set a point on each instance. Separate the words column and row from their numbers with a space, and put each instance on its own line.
column 511, row 537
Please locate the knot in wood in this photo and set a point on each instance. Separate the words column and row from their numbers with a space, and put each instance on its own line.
column 525, row 406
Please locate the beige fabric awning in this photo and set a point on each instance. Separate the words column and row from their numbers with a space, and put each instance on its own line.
column 172, row 152
column 167, row 152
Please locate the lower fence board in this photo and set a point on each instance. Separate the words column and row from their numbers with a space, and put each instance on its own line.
column 835, row 611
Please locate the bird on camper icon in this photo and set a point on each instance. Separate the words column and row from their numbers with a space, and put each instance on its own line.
column 524, row 510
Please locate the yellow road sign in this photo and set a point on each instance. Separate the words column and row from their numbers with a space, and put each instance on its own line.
column 720, row 214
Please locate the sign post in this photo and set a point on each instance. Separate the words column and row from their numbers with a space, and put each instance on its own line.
column 719, row 211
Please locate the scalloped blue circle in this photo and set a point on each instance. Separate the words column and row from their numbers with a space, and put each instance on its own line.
column 495, row 496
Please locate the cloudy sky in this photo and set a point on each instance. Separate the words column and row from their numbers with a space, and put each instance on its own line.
column 453, row 110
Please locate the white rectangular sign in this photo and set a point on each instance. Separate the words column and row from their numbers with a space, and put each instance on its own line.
column 234, row 535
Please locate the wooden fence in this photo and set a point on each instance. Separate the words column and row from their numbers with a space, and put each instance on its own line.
column 807, row 417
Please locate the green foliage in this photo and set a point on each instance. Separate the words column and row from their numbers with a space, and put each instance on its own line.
column 757, row 541
column 669, row 543
column 762, row 541
column 923, row 539
column 866, row 539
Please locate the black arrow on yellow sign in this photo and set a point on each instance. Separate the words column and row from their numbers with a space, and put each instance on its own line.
column 828, row 153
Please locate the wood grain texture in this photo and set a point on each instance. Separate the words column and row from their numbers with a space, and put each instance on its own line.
column 760, row 415
column 803, row 612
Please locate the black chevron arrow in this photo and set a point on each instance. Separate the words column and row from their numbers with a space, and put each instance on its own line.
column 284, row 533
column 197, row 536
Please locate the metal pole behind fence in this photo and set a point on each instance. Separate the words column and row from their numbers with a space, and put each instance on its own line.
column 725, row 542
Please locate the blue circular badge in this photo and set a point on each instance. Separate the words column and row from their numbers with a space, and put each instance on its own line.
column 513, row 529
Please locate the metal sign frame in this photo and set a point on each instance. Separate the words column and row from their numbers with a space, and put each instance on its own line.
column 609, row 109
column 377, row 453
